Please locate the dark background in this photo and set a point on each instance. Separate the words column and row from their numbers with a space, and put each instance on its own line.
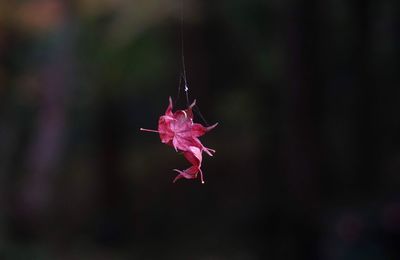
column 308, row 147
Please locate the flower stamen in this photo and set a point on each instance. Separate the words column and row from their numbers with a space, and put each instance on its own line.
column 148, row 130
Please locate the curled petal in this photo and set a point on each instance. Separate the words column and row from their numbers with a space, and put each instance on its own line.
column 194, row 156
column 168, row 112
column 212, row 127
column 190, row 173
column 199, row 130
column 209, row 151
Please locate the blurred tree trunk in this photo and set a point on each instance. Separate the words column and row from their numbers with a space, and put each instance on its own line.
column 366, row 100
column 304, row 151
column 56, row 79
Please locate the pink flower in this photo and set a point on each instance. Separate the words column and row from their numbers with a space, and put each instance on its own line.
column 194, row 156
column 179, row 131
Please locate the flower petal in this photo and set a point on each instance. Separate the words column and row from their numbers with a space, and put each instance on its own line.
column 193, row 156
column 168, row 112
column 190, row 173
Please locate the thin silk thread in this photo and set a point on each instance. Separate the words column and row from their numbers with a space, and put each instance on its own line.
column 183, row 74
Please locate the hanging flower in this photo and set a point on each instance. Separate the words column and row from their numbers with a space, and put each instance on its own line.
column 178, row 130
